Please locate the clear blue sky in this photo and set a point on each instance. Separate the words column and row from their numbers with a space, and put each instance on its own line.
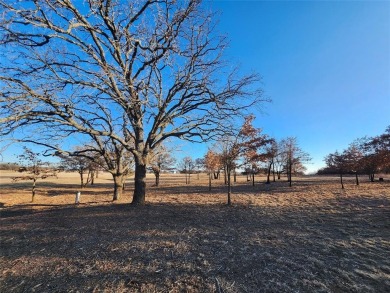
column 325, row 65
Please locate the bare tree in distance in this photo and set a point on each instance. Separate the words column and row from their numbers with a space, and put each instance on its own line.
column 271, row 154
column 187, row 166
column 161, row 158
column 199, row 165
column 293, row 156
column 279, row 161
column 81, row 165
column 33, row 168
column 252, row 163
column 137, row 72
column 233, row 147
column 339, row 162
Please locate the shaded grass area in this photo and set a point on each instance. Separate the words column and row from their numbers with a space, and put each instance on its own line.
column 340, row 245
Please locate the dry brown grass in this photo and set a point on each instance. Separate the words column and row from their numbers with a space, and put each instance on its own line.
column 313, row 237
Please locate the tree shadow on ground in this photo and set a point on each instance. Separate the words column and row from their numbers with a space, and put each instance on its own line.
column 196, row 248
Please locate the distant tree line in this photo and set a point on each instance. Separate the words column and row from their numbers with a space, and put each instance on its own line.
column 364, row 156
column 9, row 166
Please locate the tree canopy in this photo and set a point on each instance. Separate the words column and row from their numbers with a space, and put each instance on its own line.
column 136, row 72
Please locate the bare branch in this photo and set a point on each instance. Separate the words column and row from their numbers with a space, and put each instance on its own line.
column 134, row 73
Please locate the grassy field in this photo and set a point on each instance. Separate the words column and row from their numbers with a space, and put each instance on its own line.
column 313, row 237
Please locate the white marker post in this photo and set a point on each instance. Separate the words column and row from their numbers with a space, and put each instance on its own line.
column 77, row 200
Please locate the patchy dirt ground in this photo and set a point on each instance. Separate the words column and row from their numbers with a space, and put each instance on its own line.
column 313, row 237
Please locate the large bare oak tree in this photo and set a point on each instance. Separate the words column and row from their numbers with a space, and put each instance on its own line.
column 137, row 72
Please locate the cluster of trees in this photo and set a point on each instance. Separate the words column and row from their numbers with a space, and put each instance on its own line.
column 367, row 155
column 250, row 149
column 121, row 77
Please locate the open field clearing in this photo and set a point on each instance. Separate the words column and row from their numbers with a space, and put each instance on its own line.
column 313, row 237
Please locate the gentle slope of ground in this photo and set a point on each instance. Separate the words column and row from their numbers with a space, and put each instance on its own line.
column 313, row 237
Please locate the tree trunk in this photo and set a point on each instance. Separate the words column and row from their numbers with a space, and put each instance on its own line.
column 139, row 183
column 278, row 172
column 33, row 190
column 290, row 174
column 118, row 186
column 273, row 171
column 88, row 178
column 81, row 179
column 157, row 177
column 372, row 177
column 357, row 178
column 253, row 179
column 210, row 181
column 235, row 176
column 341, row 180
column 92, row 177
column 229, row 188
column 269, row 173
